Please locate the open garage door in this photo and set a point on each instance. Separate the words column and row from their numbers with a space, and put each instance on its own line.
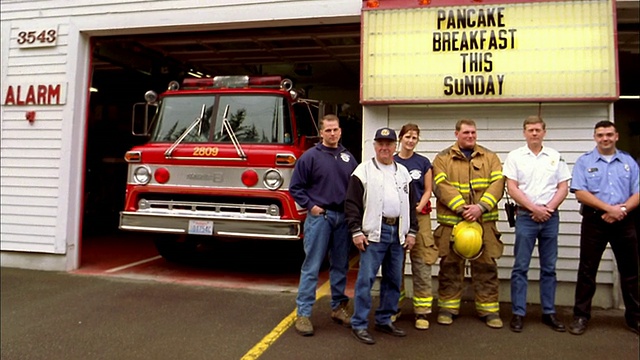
column 322, row 60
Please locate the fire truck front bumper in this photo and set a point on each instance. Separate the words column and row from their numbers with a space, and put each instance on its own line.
column 224, row 227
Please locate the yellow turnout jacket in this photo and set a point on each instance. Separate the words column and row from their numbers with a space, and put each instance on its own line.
column 459, row 181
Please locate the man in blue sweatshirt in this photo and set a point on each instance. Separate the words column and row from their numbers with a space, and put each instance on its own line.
column 319, row 184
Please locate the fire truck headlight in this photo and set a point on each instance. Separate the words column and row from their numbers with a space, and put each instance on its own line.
column 272, row 179
column 142, row 175
column 274, row 210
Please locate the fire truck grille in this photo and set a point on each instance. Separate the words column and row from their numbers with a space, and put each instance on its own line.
column 218, row 207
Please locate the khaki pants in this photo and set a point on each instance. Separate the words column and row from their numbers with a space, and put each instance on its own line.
column 423, row 254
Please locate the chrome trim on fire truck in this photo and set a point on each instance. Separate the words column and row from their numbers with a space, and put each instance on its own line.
column 267, row 229
column 206, row 158
column 211, row 176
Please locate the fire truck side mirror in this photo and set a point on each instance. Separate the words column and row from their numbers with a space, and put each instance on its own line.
column 143, row 114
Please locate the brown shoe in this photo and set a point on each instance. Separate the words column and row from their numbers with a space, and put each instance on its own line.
column 304, row 326
column 342, row 315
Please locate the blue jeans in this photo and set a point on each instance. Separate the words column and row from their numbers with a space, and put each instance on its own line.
column 527, row 231
column 390, row 254
column 324, row 233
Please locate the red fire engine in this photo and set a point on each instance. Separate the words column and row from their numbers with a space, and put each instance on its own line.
column 218, row 162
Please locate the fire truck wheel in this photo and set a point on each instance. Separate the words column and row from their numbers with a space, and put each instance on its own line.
column 177, row 248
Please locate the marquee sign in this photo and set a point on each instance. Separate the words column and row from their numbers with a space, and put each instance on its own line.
column 488, row 51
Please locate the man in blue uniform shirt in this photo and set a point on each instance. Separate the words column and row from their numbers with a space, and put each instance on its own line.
column 319, row 184
column 605, row 181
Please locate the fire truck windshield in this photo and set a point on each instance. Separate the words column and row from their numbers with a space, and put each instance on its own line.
column 253, row 118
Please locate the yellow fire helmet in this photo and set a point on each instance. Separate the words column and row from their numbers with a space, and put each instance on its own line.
column 467, row 240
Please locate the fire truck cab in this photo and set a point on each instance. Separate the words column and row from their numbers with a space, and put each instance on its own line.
column 218, row 162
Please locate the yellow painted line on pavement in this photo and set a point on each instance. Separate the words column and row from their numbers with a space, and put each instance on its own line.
column 286, row 323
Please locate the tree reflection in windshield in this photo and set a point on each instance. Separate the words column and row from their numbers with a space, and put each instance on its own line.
column 178, row 113
column 253, row 118
column 246, row 133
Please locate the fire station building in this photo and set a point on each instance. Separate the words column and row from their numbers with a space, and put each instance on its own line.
column 72, row 70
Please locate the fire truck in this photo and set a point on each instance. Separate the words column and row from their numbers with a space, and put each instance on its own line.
column 218, row 162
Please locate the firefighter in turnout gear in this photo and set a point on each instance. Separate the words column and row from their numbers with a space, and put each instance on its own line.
column 468, row 184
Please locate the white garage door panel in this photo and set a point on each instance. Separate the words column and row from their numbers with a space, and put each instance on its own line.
column 21, row 163
column 26, row 219
column 22, row 143
column 28, row 134
column 28, row 154
column 32, row 242
column 49, row 56
column 28, row 201
column 26, row 210
column 26, row 171
column 40, row 231
column 39, row 191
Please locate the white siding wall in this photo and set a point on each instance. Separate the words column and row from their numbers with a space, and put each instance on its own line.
column 569, row 130
column 31, row 153
column 42, row 163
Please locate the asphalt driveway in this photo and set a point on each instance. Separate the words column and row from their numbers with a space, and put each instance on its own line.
column 53, row 315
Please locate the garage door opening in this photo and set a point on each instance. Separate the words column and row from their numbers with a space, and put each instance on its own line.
column 322, row 60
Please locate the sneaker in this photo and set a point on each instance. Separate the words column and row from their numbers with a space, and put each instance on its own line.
column 578, row 325
column 341, row 315
column 421, row 322
column 445, row 317
column 493, row 321
column 395, row 317
column 304, row 326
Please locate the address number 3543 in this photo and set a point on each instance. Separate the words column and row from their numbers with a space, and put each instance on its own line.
column 47, row 37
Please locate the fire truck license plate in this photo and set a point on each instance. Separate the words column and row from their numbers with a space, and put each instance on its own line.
column 200, row 227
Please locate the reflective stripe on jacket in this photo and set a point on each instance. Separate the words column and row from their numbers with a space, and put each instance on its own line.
column 459, row 181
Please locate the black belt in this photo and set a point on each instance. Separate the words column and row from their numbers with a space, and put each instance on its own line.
column 588, row 210
column 336, row 208
column 390, row 221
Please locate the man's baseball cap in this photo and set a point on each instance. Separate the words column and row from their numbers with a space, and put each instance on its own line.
column 385, row 134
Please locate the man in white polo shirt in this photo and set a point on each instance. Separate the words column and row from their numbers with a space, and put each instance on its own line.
column 537, row 179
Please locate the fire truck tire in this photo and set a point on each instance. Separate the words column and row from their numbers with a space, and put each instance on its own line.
column 177, row 248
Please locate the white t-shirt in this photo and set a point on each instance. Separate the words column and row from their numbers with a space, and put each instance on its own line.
column 391, row 200
column 537, row 176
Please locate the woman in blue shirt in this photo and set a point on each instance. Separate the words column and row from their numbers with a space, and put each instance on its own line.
column 424, row 253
